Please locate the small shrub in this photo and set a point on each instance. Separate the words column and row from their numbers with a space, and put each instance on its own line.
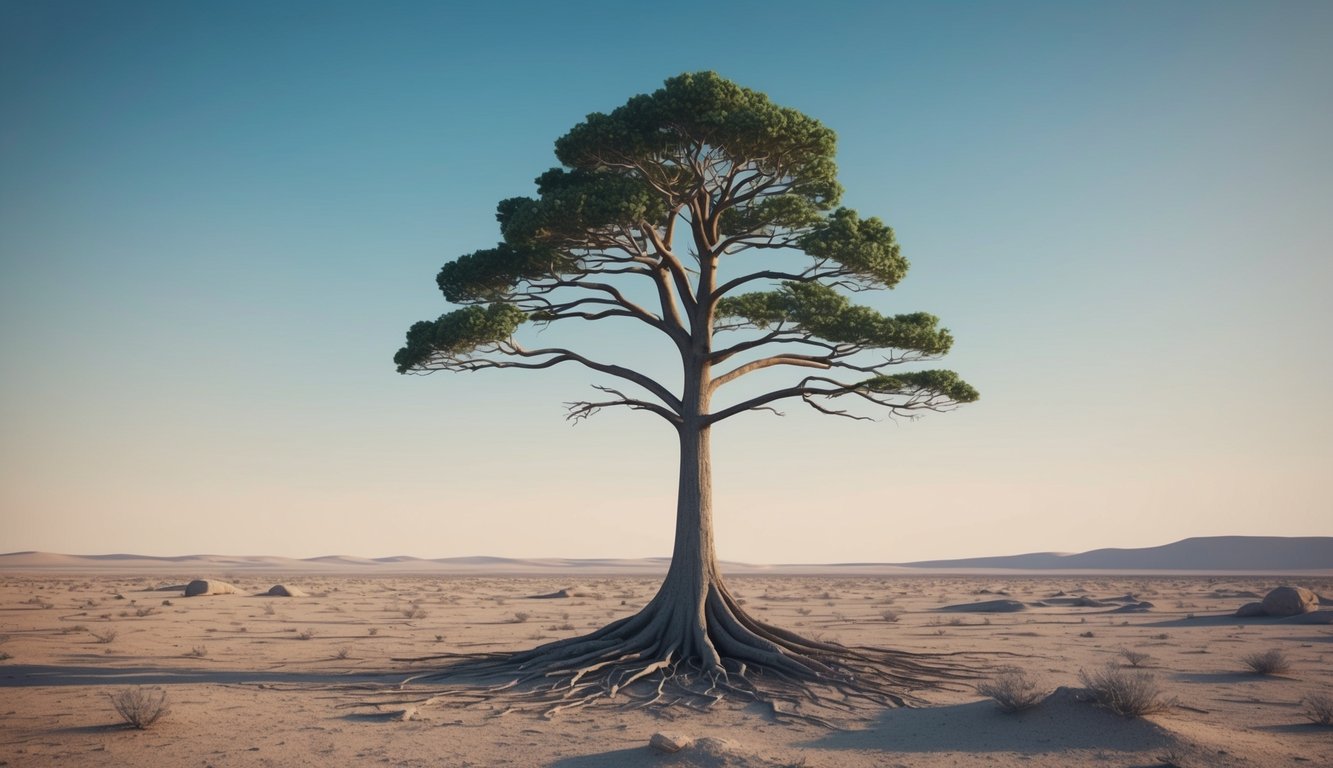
column 1127, row 695
column 305, row 634
column 1134, row 658
column 1319, row 708
column 1012, row 690
column 105, row 636
column 269, row 610
column 342, row 653
column 1271, row 662
column 373, row 631
column 145, row 611
column 139, row 707
column 198, row 652
column 521, row 617
column 5, row 656
column 1086, row 634
column 414, row 612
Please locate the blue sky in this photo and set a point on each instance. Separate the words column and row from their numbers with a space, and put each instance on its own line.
column 218, row 219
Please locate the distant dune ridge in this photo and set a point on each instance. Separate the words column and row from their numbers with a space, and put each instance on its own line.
column 1212, row 554
column 1205, row 553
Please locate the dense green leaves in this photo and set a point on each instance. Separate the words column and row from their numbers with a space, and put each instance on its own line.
column 929, row 383
column 488, row 275
column 826, row 314
column 866, row 247
column 770, row 216
column 457, row 333
column 658, row 134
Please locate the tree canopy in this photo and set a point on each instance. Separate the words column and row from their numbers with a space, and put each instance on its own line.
column 668, row 189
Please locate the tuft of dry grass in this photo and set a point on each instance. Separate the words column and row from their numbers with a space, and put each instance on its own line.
column 1319, row 708
column 105, row 636
column 1012, row 690
column 1134, row 658
column 1270, row 662
column 1126, row 694
column 140, row 707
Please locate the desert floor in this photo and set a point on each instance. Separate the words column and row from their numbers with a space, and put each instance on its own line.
column 262, row 681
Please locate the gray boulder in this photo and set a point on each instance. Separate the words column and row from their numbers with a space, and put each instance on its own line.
column 282, row 590
column 201, row 587
column 1290, row 601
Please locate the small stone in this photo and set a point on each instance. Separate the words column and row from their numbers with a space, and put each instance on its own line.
column 669, row 742
column 1290, row 601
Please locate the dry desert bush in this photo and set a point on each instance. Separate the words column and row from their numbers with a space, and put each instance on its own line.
column 1012, row 690
column 105, row 636
column 140, row 707
column 1319, row 708
column 1126, row 694
column 1134, row 658
column 1270, row 662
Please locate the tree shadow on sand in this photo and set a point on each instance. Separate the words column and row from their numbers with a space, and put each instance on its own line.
column 1058, row 724
column 40, row 675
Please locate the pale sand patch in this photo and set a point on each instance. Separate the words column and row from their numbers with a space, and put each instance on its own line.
column 247, row 690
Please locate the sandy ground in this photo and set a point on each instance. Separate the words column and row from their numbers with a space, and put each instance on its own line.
column 262, row 681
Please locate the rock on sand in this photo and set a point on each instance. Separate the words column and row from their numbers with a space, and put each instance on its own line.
column 1290, row 601
column 282, row 590
column 210, row 587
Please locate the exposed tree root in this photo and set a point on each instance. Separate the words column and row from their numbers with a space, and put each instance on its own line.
column 668, row 655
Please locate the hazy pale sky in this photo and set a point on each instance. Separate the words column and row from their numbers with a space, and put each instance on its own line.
column 218, row 219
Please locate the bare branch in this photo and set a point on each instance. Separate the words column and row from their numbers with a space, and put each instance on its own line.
column 549, row 357
column 580, row 410
column 804, row 361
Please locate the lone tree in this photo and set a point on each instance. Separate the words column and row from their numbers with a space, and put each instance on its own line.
column 657, row 200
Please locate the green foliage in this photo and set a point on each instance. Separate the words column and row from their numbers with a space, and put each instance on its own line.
column 866, row 247
column 489, row 275
column 937, row 382
column 655, row 133
column 458, row 332
column 770, row 216
column 827, row 314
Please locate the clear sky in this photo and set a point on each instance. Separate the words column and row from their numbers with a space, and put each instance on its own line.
column 217, row 219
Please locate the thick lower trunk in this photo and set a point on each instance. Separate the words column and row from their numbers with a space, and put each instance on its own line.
column 683, row 598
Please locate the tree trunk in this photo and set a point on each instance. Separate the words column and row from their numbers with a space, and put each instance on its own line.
column 693, row 573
